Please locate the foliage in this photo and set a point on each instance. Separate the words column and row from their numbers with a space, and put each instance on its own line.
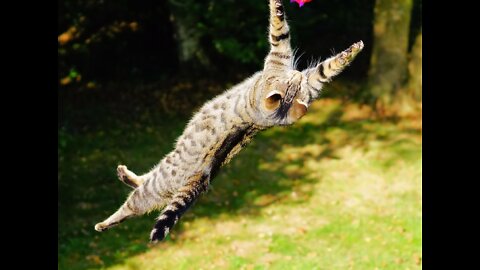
column 119, row 40
column 113, row 39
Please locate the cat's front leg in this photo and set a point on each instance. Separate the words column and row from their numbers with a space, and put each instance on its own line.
column 331, row 67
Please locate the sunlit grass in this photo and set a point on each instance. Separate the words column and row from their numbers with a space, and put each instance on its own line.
column 338, row 190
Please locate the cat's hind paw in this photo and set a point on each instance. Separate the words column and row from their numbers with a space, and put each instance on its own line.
column 100, row 227
column 127, row 177
column 122, row 172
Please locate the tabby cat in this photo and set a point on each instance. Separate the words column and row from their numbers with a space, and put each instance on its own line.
column 277, row 95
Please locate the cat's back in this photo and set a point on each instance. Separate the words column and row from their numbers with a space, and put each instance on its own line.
column 217, row 116
column 210, row 125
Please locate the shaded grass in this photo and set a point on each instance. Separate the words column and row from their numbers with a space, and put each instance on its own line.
column 338, row 190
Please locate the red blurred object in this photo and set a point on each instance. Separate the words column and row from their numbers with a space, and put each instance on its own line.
column 300, row 2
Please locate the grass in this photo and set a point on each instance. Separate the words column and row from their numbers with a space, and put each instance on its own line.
column 338, row 190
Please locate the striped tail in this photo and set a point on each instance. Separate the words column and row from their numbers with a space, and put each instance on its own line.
column 280, row 56
column 179, row 204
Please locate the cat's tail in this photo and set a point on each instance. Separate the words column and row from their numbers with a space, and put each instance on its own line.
column 179, row 204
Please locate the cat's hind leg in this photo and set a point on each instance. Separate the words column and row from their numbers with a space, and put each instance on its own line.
column 128, row 177
column 138, row 203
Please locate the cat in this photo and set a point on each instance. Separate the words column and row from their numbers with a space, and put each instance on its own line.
column 278, row 95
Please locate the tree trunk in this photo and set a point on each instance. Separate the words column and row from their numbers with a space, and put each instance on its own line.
column 415, row 70
column 191, row 54
column 388, row 65
column 408, row 101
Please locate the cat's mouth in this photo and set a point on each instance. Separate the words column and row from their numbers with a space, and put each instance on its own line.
column 290, row 94
column 287, row 101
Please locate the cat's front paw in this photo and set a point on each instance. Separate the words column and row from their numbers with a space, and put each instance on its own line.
column 349, row 54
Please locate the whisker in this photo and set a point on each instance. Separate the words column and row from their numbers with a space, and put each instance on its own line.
column 296, row 58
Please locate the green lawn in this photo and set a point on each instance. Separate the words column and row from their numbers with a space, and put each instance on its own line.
column 338, row 190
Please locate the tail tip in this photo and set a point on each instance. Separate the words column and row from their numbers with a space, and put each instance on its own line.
column 156, row 236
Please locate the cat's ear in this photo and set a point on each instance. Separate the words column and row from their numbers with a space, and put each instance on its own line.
column 299, row 109
column 275, row 95
column 273, row 98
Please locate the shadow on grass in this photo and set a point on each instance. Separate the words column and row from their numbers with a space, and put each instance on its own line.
column 261, row 175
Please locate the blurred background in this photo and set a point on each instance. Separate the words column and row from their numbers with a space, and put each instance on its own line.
column 341, row 189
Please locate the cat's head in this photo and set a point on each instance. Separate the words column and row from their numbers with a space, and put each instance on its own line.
column 286, row 93
column 285, row 98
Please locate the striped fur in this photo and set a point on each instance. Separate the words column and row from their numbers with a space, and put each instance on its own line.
column 277, row 95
